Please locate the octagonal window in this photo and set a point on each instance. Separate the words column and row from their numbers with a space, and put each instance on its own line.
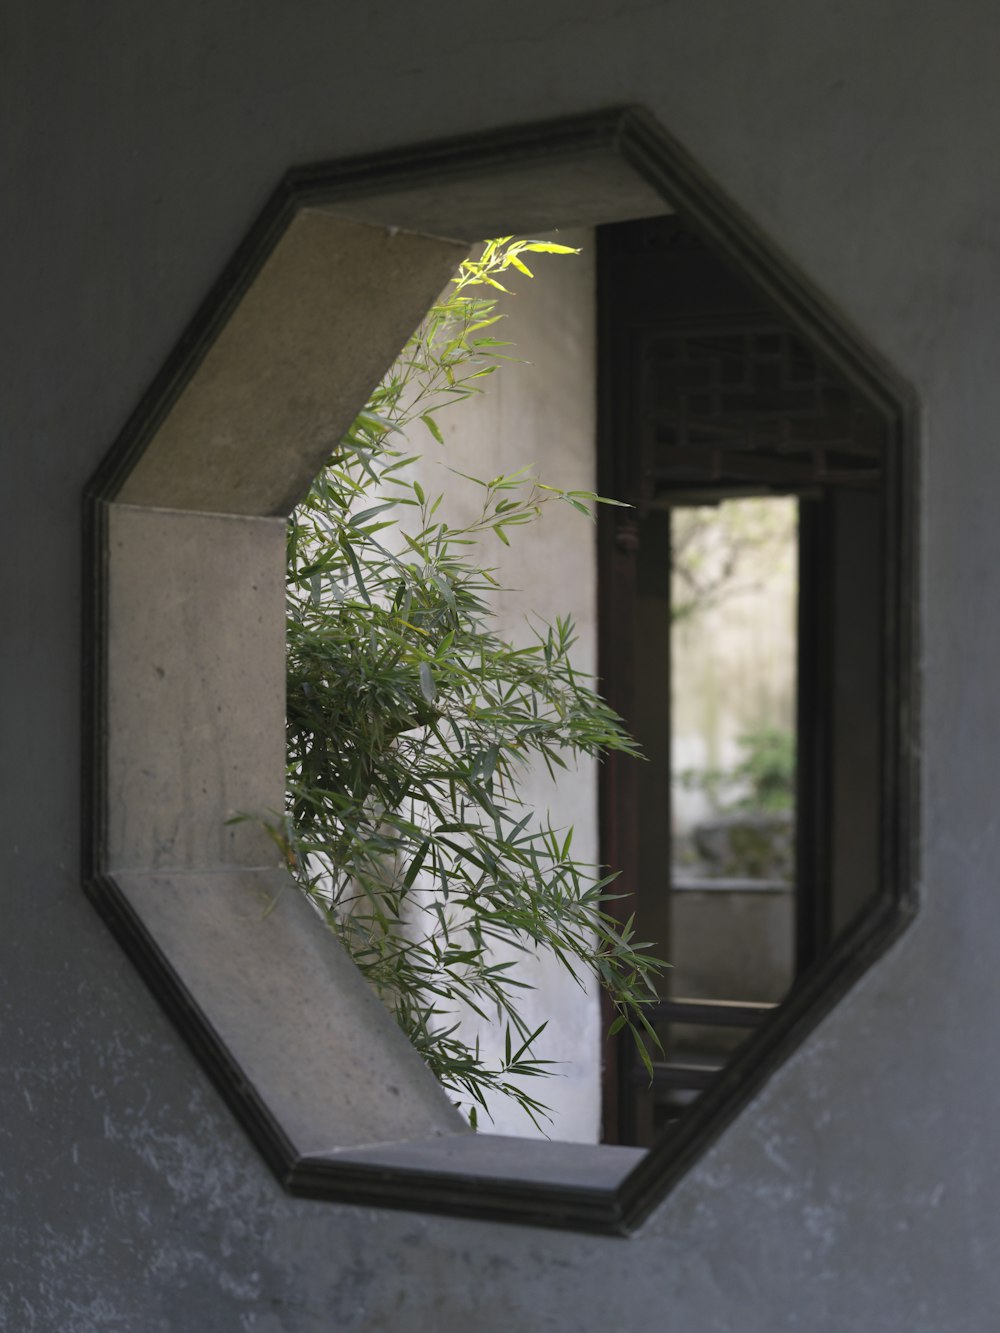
column 722, row 378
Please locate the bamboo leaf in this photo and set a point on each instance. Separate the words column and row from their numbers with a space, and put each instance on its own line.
column 427, row 687
column 409, row 719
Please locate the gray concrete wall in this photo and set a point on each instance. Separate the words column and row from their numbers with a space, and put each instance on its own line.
column 859, row 1191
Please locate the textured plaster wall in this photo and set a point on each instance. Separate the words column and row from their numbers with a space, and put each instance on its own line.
column 859, row 1191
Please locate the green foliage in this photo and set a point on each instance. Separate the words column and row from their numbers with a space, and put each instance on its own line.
column 723, row 551
column 766, row 771
column 410, row 722
column 761, row 782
